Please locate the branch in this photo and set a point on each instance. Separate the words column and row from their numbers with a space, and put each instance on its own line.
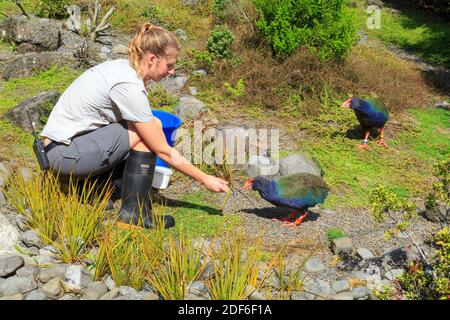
column 17, row 2
column 104, row 23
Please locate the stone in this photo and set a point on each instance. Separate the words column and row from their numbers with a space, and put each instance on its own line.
column 2, row 199
column 361, row 293
column 45, row 260
column 53, row 289
column 28, row 271
column 110, row 295
column 438, row 213
column 341, row 286
column 341, row 245
column 109, row 282
column 36, row 295
column 377, row 3
column 9, row 236
column 5, row 172
column 9, row 264
column 254, row 294
column 343, row 296
column 314, row 264
column 442, row 105
column 71, row 288
column 120, row 49
column 189, row 107
column 56, row 271
column 13, row 285
column 393, row 274
column 300, row 295
column 148, row 295
column 38, row 106
column 105, row 50
column 192, row 91
column 181, row 35
column 41, row 33
column 127, row 291
column 200, row 72
column 95, row 290
column 31, row 63
column 31, row 238
column 171, row 84
column 78, row 276
column 297, row 163
column 364, row 253
column 21, row 223
column 69, row 296
column 261, row 166
column 17, row 296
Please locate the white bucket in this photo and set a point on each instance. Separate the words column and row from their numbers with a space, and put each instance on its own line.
column 161, row 178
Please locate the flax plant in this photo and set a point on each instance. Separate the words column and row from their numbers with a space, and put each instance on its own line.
column 182, row 265
column 82, row 216
column 234, row 270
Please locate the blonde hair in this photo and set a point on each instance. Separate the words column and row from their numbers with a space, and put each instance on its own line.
column 151, row 38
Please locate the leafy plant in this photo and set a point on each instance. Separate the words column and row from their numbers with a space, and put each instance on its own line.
column 218, row 8
column 237, row 90
column 441, row 189
column 53, row 8
column 326, row 26
column 334, row 233
column 219, row 43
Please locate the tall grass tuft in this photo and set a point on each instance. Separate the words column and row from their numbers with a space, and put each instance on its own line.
column 181, row 265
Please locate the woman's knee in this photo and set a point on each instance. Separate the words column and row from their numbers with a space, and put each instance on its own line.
column 136, row 142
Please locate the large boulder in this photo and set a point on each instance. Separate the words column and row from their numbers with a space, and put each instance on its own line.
column 297, row 163
column 37, row 34
column 38, row 107
column 189, row 107
column 32, row 63
column 9, row 236
column 173, row 85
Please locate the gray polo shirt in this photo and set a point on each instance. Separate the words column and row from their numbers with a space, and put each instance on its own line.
column 109, row 92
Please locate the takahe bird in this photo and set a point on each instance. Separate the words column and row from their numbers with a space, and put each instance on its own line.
column 371, row 113
column 298, row 191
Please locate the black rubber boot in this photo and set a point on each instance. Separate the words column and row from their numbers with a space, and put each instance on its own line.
column 136, row 186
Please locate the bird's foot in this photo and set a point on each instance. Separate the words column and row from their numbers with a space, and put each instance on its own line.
column 381, row 142
column 364, row 146
column 289, row 218
column 297, row 221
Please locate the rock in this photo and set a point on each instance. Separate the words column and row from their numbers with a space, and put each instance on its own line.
column 191, row 296
column 300, row 295
column 173, row 85
column 297, row 163
column 36, row 295
column 314, row 264
column 377, row 3
column 208, row 271
column 56, row 271
column 29, row 271
column 393, row 274
column 32, row 63
column 192, row 91
column 27, row 173
column 53, row 289
column 198, row 288
column 109, row 282
column 41, row 33
column 442, row 105
column 71, row 288
column 69, row 296
column 8, row 265
column 21, row 223
column 200, row 72
column 111, row 294
column 120, row 49
column 341, row 245
column 31, row 238
column 128, row 291
column 5, row 172
column 361, row 293
column 254, row 294
column 364, row 253
column 38, row 106
column 17, row 296
column 9, row 236
column 181, row 35
column 45, row 260
column 78, row 276
column 438, row 213
column 13, row 285
column 190, row 2
column 148, row 295
column 189, row 107
column 341, row 286
column 343, row 296
column 2, row 199
column 102, row 56
column 95, row 290
column 49, row 250
column 261, row 166
column 105, row 50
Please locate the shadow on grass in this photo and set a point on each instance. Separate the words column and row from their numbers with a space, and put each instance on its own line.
column 184, row 204
column 278, row 213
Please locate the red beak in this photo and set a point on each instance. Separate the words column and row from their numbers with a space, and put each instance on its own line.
column 347, row 102
column 248, row 184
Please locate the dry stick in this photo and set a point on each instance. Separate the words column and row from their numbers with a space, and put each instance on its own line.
column 17, row 2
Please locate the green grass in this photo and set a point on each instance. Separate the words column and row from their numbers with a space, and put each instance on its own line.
column 411, row 30
column 405, row 167
column 198, row 214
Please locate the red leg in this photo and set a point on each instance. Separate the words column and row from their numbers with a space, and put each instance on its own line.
column 381, row 142
column 289, row 218
column 365, row 144
column 298, row 221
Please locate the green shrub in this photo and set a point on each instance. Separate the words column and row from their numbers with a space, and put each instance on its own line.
column 53, row 8
column 218, row 8
column 219, row 43
column 334, row 233
column 325, row 26
column 236, row 91
column 441, row 189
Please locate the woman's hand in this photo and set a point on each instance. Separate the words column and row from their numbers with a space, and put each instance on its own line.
column 215, row 184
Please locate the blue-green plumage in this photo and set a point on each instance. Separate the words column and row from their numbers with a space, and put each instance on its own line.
column 298, row 191
column 371, row 112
